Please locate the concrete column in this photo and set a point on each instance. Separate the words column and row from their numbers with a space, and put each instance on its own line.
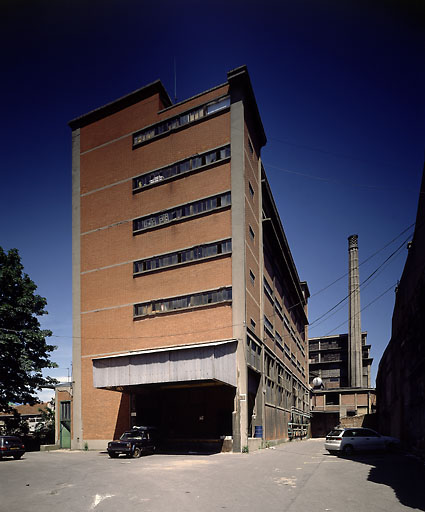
column 354, row 327
column 262, row 386
column 77, row 428
column 240, row 414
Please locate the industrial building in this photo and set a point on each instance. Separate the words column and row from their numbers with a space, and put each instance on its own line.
column 188, row 311
column 400, row 383
column 340, row 366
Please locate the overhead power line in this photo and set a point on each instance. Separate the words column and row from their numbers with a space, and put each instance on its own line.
column 392, row 287
column 364, row 261
column 343, row 305
column 361, row 284
column 329, row 180
column 327, row 152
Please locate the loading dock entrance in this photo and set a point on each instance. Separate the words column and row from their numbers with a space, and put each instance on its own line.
column 188, row 392
column 186, row 414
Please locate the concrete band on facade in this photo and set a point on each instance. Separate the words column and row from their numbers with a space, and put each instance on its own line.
column 214, row 361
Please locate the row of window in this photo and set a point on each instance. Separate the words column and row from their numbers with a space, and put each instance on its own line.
column 187, row 165
column 293, row 335
column 180, row 212
column 276, row 372
column 273, row 334
column 268, row 326
column 173, row 123
column 268, row 292
column 183, row 302
column 198, row 252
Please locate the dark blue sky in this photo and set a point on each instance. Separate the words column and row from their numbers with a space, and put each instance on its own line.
column 339, row 85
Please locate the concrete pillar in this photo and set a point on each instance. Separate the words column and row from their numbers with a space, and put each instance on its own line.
column 354, row 327
column 240, row 414
column 77, row 429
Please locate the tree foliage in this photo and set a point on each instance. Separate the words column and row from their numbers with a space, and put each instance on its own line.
column 24, row 352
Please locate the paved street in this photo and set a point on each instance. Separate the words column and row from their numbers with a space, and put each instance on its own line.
column 293, row 477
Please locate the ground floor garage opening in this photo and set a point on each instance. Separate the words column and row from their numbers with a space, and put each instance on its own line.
column 193, row 416
column 187, row 392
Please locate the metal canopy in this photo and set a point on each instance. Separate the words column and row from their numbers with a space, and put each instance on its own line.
column 206, row 361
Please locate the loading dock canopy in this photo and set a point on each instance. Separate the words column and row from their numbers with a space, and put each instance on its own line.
column 206, row 361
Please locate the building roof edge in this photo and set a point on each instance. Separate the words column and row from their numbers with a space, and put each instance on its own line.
column 120, row 103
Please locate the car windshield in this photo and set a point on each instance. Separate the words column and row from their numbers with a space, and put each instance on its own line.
column 131, row 435
column 335, row 433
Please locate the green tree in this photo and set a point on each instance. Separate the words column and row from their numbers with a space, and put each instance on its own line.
column 24, row 352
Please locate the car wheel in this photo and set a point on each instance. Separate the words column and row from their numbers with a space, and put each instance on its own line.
column 348, row 450
column 137, row 452
column 113, row 455
column 17, row 457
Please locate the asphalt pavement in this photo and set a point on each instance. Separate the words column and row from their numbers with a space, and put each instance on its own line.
column 294, row 477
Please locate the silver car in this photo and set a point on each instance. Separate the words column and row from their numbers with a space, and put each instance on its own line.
column 350, row 440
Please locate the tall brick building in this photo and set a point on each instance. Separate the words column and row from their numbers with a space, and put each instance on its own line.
column 188, row 310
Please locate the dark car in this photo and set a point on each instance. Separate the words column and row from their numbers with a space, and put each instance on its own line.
column 11, row 446
column 134, row 442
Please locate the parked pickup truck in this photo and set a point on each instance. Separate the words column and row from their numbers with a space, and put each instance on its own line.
column 133, row 443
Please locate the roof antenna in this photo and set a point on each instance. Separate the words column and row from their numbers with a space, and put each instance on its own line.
column 175, row 82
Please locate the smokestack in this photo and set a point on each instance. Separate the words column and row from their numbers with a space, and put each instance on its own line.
column 355, row 378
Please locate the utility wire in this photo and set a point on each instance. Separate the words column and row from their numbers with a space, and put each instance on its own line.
column 339, row 309
column 327, row 152
column 367, row 305
column 362, row 283
column 336, row 182
column 364, row 261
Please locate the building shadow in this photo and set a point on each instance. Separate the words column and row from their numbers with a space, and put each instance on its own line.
column 405, row 474
column 189, row 447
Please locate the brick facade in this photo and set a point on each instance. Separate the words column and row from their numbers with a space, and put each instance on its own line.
column 106, row 247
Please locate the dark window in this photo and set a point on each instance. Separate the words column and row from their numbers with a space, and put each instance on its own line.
column 187, row 165
column 332, row 399
column 351, row 433
column 65, row 411
column 268, row 290
column 251, row 190
column 252, row 277
column 183, row 256
column 368, row 433
column 251, row 233
column 186, row 301
column 181, row 120
column 278, row 339
column 173, row 214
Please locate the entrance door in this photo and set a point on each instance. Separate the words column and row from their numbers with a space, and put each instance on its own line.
column 65, row 424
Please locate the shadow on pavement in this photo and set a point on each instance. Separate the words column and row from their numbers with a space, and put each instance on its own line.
column 405, row 474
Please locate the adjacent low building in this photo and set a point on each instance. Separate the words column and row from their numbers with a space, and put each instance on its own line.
column 189, row 313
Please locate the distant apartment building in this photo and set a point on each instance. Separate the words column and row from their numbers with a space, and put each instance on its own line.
column 188, row 312
column 340, row 366
column 400, row 383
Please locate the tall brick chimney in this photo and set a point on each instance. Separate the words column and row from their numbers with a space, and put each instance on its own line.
column 355, row 378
